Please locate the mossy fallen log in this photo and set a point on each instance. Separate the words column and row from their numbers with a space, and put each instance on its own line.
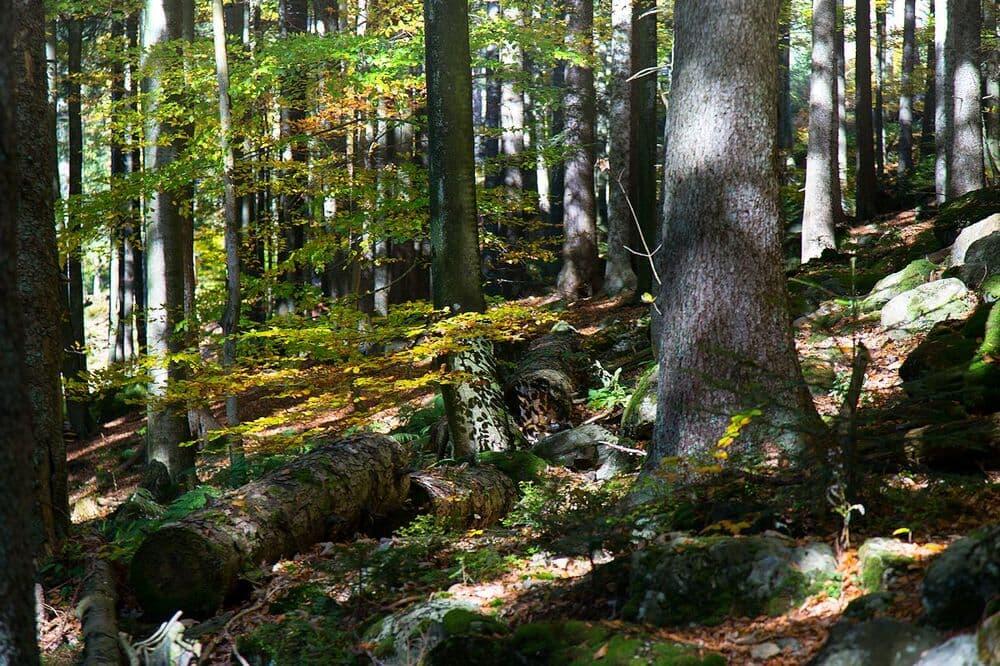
column 195, row 563
column 540, row 390
column 465, row 496
column 98, row 619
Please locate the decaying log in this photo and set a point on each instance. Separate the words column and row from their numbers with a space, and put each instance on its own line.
column 193, row 564
column 466, row 496
column 97, row 614
column 540, row 391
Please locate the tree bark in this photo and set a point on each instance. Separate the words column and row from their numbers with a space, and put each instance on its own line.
column 38, row 280
column 865, row 182
column 477, row 419
column 466, row 497
column 164, row 254
column 786, row 129
column 822, row 199
column 878, row 113
column 647, row 136
column 98, row 616
column 964, row 138
column 17, row 614
column 494, row 96
column 906, row 88
column 991, row 85
column 557, row 171
column 193, row 564
column 541, row 389
column 75, row 362
column 842, row 106
column 725, row 341
column 579, row 276
column 619, row 276
column 928, row 139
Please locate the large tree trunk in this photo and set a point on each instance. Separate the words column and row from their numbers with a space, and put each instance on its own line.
column 822, row 200
column 647, row 135
column 960, row 132
column 991, row 86
column 726, row 341
column 195, row 563
column 865, row 182
column 579, row 276
column 540, row 391
column 167, row 419
column 906, row 88
column 477, row 419
column 38, row 281
column 465, row 497
column 619, row 276
column 17, row 615
column 75, row 361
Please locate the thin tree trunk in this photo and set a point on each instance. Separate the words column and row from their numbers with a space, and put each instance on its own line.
column 880, row 73
column 928, row 140
column 619, row 276
column 477, row 419
column 842, row 160
column 579, row 276
column 725, row 341
column 135, row 167
column 17, row 617
column 786, row 129
column 75, row 363
column 906, row 88
column 164, row 254
column 494, row 97
column 991, row 86
column 865, row 182
column 822, row 197
column 39, row 283
column 647, row 136
column 557, row 171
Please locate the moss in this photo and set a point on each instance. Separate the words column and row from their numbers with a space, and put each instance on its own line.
column 981, row 390
column 640, row 404
column 968, row 209
column 300, row 641
column 520, row 466
column 913, row 275
column 877, row 558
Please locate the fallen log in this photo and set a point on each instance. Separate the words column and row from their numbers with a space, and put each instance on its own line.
column 195, row 563
column 540, row 391
column 465, row 496
column 98, row 618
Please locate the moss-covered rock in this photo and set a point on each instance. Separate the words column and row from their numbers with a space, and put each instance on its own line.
column 936, row 367
column 407, row 636
column 879, row 642
column 639, row 414
column 988, row 640
column 520, row 466
column 588, row 447
column 707, row 579
column 962, row 445
column 957, row 214
column 919, row 309
column 915, row 274
column 880, row 559
column 981, row 384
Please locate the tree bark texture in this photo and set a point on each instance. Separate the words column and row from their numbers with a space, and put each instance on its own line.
column 991, row 85
column 865, row 183
column 878, row 113
column 541, row 389
column 906, row 88
column 164, row 254
column 466, row 497
column 579, row 276
column 964, row 147
column 647, row 136
column 193, row 564
column 725, row 338
column 928, row 119
column 38, row 281
column 17, row 613
column 822, row 199
column 98, row 616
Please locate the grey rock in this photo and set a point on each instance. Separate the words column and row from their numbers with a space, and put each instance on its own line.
column 963, row 579
column 971, row 234
column 765, row 651
column 588, row 447
column 959, row 651
column 880, row 642
column 915, row 274
column 406, row 636
column 920, row 308
column 879, row 559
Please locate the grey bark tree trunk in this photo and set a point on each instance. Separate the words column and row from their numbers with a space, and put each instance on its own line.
column 123, row 272
column 822, row 199
column 579, row 276
column 647, row 135
column 991, row 86
column 905, row 165
column 167, row 423
column 557, row 171
column 17, row 616
column 786, row 129
column 75, row 362
column 878, row 114
column 865, row 183
column 494, row 96
column 928, row 140
column 725, row 341
column 619, row 276
column 38, row 280
column 842, row 107
column 477, row 418
column 138, row 317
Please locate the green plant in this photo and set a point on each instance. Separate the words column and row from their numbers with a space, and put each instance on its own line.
column 611, row 393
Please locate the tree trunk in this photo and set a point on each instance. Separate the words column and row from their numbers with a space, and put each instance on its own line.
column 38, row 281
column 540, row 391
column 842, row 107
column 466, row 497
column 959, row 120
column 231, row 235
column 477, row 419
column 579, row 276
column 647, row 136
column 928, row 139
column 725, row 341
column 878, row 113
column 906, row 88
column 786, row 124
column 557, row 171
column 865, row 183
column 494, row 97
column 17, row 575
column 164, row 254
column 822, row 200
column 195, row 563
column 98, row 616
column 991, row 85
column 75, row 362
column 619, row 277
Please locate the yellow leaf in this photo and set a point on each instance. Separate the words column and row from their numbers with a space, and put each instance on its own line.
column 720, row 455
column 901, row 530
column 648, row 297
column 726, row 441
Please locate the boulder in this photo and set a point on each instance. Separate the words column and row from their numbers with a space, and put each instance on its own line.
column 879, row 642
column 707, row 579
column 920, row 308
column 971, row 235
column 963, row 445
column 958, row 651
column 407, row 636
column 639, row 414
column 988, row 640
column 880, row 559
column 937, row 366
column 963, row 211
column 963, row 579
column 588, row 447
column 915, row 274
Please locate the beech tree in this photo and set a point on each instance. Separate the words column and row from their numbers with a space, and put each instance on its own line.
column 822, row 199
column 17, row 617
column 477, row 417
column 725, row 341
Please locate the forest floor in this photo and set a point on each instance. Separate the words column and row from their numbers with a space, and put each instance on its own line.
column 535, row 565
